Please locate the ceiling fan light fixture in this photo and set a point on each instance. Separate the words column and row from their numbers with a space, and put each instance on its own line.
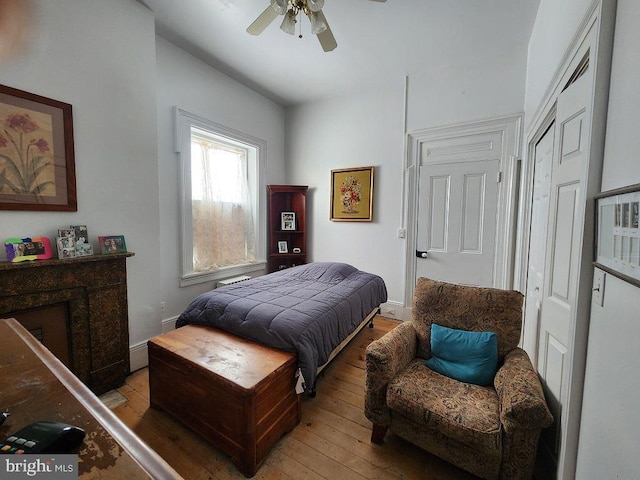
column 290, row 9
column 289, row 23
column 315, row 5
column 318, row 25
column 280, row 6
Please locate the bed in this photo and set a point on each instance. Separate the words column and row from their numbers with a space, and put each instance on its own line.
column 312, row 310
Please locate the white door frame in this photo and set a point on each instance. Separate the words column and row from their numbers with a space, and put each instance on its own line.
column 510, row 129
column 594, row 37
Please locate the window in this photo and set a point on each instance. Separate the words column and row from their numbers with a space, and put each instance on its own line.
column 220, row 203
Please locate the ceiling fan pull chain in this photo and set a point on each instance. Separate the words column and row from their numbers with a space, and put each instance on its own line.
column 299, row 28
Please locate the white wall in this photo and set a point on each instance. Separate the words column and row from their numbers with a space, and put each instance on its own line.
column 610, row 426
column 468, row 90
column 368, row 129
column 554, row 28
column 190, row 84
column 357, row 131
column 99, row 57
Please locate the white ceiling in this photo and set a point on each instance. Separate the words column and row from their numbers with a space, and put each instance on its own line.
column 377, row 42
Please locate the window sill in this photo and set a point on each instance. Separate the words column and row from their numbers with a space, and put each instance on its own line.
column 197, row 278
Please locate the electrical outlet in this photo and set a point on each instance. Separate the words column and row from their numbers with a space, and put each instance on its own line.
column 163, row 306
column 597, row 295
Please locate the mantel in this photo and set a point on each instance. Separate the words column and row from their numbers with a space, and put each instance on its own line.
column 90, row 294
column 57, row 261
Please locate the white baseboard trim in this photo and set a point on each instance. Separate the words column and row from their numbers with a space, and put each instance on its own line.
column 138, row 354
column 169, row 324
column 395, row 310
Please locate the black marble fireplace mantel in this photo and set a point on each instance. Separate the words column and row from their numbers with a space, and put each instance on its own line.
column 92, row 294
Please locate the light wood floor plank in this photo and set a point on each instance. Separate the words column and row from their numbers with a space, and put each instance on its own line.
column 330, row 447
column 316, row 460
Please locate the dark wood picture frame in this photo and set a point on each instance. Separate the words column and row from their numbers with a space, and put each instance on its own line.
column 37, row 158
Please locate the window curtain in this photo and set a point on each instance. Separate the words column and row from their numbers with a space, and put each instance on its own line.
column 223, row 227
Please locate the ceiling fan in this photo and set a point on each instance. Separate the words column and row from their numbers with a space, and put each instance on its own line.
column 291, row 10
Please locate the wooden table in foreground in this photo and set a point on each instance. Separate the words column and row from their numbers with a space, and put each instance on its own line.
column 35, row 385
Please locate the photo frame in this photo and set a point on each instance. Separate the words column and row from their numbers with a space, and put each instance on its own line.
column 288, row 221
column 618, row 233
column 21, row 249
column 112, row 244
column 66, row 246
column 282, row 247
column 352, row 195
column 37, row 159
column 73, row 242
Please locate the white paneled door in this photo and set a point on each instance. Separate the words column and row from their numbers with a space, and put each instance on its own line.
column 543, row 157
column 456, row 230
column 556, row 350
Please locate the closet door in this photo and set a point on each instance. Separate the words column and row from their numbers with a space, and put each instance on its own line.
column 559, row 363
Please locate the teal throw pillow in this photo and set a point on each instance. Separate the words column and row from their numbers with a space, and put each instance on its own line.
column 470, row 357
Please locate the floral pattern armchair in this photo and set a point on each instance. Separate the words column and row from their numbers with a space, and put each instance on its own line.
column 491, row 431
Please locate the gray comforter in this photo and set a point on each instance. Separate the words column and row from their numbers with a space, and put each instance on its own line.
column 309, row 309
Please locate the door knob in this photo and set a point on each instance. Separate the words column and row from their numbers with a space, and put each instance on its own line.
column 421, row 254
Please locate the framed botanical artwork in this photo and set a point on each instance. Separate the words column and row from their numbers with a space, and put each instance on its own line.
column 37, row 164
column 282, row 247
column 288, row 221
column 112, row 244
column 618, row 233
column 352, row 195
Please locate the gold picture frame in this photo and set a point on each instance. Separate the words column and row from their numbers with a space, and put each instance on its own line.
column 37, row 162
column 352, row 194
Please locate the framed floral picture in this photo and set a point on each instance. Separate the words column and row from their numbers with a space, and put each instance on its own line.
column 352, row 195
column 37, row 164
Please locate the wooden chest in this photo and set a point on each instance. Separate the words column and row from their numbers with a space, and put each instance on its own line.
column 237, row 394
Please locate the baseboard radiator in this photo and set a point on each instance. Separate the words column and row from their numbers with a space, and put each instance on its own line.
column 231, row 281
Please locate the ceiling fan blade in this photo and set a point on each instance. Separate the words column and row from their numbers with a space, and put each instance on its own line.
column 381, row 1
column 326, row 38
column 262, row 22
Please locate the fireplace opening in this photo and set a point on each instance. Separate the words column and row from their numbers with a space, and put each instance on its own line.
column 50, row 325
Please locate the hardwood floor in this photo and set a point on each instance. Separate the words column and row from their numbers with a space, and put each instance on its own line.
column 331, row 442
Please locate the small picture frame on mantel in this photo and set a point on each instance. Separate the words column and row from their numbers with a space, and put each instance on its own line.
column 21, row 249
column 112, row 244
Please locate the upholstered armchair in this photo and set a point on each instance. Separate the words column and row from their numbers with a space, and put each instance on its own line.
column 489, row 430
